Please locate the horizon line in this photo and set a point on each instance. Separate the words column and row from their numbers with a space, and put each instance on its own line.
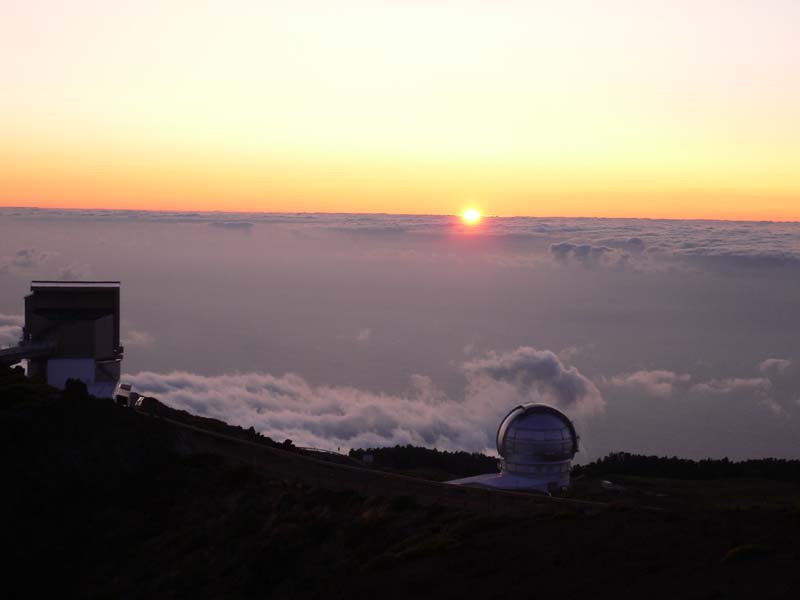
column 399, row 214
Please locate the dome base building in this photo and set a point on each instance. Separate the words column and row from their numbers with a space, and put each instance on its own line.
column 536, row 443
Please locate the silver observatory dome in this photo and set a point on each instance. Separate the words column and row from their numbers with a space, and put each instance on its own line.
column 537, row 441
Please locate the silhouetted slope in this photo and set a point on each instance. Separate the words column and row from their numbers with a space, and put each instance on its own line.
column 439, row 464
column 100, row 501
column 625, row 463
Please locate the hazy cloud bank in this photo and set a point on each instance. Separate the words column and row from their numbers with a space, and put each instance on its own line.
column 326, row 416
column 24, row 258
column 539, row 372
column 584, row 240
column 362, row 302
column 653, row 383
column 234, row 225
column 138, row 338
column 776, row 386
column 288, row 406
column 589, row 255
column 10, row 329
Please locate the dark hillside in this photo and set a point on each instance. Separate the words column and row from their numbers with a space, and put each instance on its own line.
column 625, row 463
column 104, row 502
column 442, row 465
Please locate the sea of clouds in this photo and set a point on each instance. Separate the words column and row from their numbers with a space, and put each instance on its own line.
column 339, row 331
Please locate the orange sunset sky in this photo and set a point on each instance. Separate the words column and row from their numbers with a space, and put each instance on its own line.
column 636, row 108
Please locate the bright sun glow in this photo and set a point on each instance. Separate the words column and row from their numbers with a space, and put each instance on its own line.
column 471, row 216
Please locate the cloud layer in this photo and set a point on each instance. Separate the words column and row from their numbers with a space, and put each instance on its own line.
column 135, row 337
column 339, row 416
column 24, row 258
column 588, row 255
column 343, row 417
column 674, row 322
column 538, row 372
column 586, row 240
column 658, row 383
column 775, row 386
column 10, row 329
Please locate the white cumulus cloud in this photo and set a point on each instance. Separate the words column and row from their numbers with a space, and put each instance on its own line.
column 288, row 406
column 540, row 373
column 10, row 329
column 136, row 337
column 658, row 383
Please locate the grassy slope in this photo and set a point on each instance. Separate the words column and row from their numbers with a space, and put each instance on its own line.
column 98, row 501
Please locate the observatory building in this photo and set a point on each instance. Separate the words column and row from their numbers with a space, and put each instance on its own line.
column 536, row 443
column 72, row 332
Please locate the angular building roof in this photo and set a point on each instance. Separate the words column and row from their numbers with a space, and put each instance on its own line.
column 42, row 284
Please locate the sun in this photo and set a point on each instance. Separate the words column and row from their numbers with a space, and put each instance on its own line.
column 471, row 216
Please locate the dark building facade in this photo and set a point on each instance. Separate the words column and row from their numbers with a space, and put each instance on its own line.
column 72, row 330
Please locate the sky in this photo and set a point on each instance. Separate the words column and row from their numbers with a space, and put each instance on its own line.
column 357, row 330
column 623, row 108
